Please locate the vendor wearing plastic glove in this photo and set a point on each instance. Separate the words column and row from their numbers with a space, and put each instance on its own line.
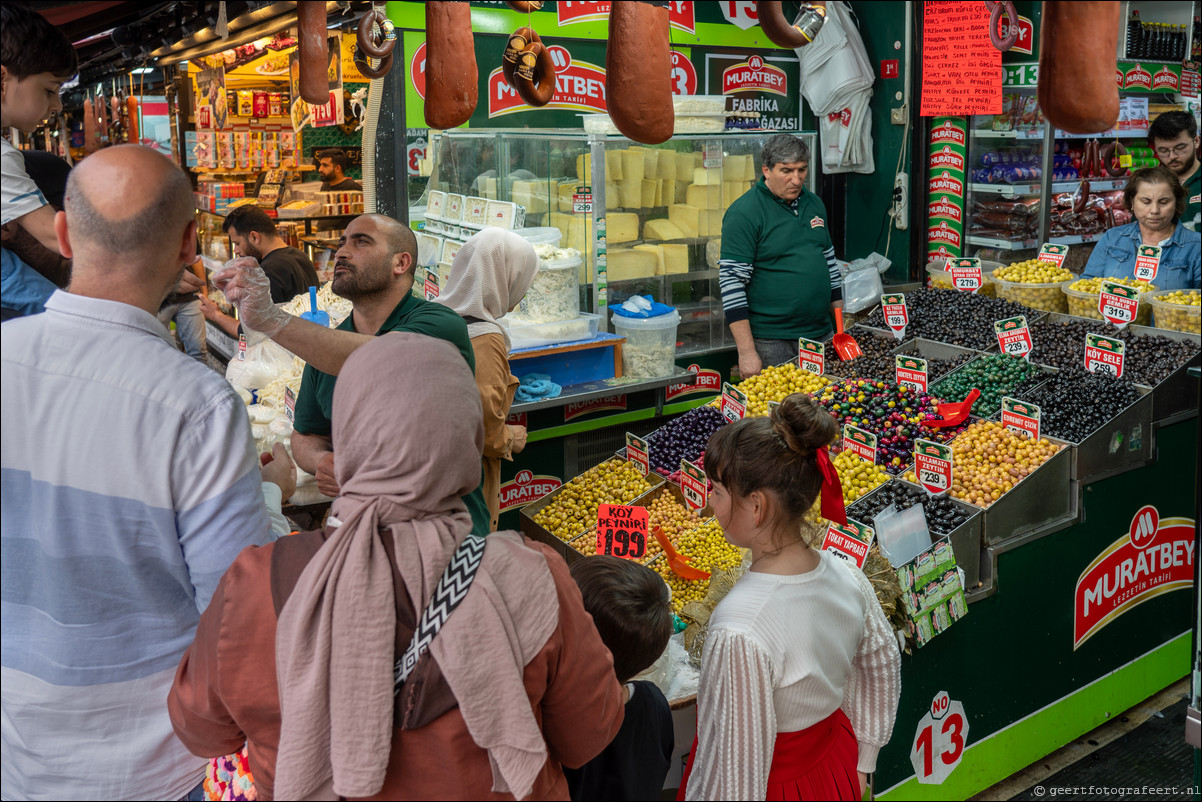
column 777, row 270
column 373, row 268
column 1157, row 199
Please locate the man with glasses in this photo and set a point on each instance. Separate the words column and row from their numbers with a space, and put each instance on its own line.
column 1174, row 137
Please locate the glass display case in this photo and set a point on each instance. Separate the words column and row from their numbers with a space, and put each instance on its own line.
column 646, row 220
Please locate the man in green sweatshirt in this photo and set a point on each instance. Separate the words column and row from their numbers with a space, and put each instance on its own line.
column 777, row 269
column 1174, row 137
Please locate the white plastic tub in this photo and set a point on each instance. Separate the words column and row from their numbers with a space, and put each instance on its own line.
column 650, row 349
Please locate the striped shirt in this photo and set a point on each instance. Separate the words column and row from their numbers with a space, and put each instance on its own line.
column 19, row 195
column 129, row 485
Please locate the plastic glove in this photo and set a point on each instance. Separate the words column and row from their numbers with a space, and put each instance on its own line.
column 248, row 288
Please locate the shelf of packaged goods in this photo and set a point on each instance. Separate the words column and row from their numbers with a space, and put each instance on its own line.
column 983, row 133
column 1095, row 185
column 1009, row 190
column 1137, row 133
column 1076, row 239
column 1003, row 244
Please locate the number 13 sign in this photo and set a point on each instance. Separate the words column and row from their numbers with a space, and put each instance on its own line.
column 939, row 741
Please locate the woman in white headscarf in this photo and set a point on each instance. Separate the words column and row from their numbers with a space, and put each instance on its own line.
column 489, row 276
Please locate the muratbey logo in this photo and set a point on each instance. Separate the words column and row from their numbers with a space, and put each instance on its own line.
column 754, row 75
column 947, row 159
column 946, row 182
column 1137, row 78
column 947, row 209
column 708, row 381
column 680, row 13
column 947, row 133
column 1156, row 556
column 817, row 222
column 1165, row 79
column 525, row 488
column 943, row 234
column 578, row 408
column 579, row 86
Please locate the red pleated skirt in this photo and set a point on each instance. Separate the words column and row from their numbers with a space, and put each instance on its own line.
column 816, row 763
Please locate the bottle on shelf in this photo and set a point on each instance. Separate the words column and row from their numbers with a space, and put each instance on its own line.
column 1195, row 50
column 1134, row 35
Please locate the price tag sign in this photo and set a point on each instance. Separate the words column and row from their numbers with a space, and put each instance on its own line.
column 622, row 531
column 582, row 200
column 966, row 274
column 290, row 404
column 772, row 405
column 1020, row 417
column 431, row 285
column 1118, row 303
column 693, row 485
column 850, row 543
column 911, row 372
column 734, row 402
column 241, row 347
column 711, row 154
column 636, row 453
column 811, row 356
column 1147, row 262
column 933, row 465
column 1053, row 253
column 897, row 317
column 1104, row 355
column 860, row 442
column 1013, row 336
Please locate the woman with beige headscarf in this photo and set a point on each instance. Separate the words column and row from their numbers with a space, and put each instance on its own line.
column 489, row 276
column 296, row 653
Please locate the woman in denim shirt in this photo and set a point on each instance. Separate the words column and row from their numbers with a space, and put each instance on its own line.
column 1157, row 199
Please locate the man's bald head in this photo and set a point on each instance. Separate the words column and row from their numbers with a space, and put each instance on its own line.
column 397, row 235
column 128, row 199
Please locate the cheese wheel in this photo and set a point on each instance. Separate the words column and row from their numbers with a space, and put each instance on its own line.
column 451, row 74
column 638, row 72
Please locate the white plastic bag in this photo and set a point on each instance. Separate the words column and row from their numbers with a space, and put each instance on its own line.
column 262, row 364
column 861, row 289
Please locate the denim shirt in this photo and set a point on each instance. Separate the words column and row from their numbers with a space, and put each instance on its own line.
column 1180, row 260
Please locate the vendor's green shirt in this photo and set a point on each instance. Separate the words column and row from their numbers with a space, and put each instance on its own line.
column 315, row 402
column 789, row 294
column 1193, row 202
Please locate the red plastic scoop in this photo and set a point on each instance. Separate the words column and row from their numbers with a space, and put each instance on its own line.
column 845, row 345
column 954, row 413
column 677, row 561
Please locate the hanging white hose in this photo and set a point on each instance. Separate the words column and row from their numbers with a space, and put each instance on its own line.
column 372, row 120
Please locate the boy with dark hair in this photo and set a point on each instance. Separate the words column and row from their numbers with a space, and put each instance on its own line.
column 629, row 604
column 332, row 165
column 35, row 61
column 1174, row 137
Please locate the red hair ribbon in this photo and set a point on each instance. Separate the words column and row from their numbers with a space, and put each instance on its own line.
column 832, row 488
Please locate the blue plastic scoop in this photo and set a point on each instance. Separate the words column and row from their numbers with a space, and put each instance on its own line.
column 318, row 316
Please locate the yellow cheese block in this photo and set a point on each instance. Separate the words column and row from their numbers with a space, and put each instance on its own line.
column 667, row 192
column 676, row 258
column 534, row 204
column 685, row 163
column 707, row 175
column 659, row 192
column 732, row 191
column 621, row 227
column 613, row 165
column 631, row 193
column 665, row 166
column 613, row 194
column 489, row 189
column 658, row 250
column 650, row 163
column 647, row 200
column 687, row 218
column 632, row 165
column 662, row 229
column 566, row 190
column 542, row 188
column 710, row 223
column 577, row 230
column 627, row 263
column 682, row 191
column 704, row 197
column 738, row 168
column 584, row 167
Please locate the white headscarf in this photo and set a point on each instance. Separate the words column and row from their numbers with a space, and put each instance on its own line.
column 490, row 274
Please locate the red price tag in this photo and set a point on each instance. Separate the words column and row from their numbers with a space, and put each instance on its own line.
column 1118, row 303
column 1053, row 253
column 582, row 200
column 622, row 531
column 1147, row 262
column 911, row 371
column 693, row 485
column 1104, row 355
column 1013, row 336
column 1020, row 417
column 241, row 347
column 965, row 274
column 933, row 466
column 636, row 453
column 431, row 286
column 811, row 356
column 734, row 403
column 897, row 316
column 860, row 442
column 850, row 543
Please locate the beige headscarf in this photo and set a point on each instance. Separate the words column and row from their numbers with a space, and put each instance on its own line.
column 490, row 274
column 407, row 423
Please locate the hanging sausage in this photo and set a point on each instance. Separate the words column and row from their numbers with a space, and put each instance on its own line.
column 314, row 52
column 1078, row 42
column 638, row 71
column 451, row 75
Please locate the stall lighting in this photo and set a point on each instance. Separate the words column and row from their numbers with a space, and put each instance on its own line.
column 142, row 70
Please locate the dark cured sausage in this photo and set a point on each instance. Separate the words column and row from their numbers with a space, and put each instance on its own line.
column 777, row 28
column 378, row 72
column 518, row 40
column 131, row 112
column 451, row 76
column 1077, row 46
column 995, row 17
column 311, row 44
column 1107, row 158
column 367, row 42
column 638, row 72
column 535, row 75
